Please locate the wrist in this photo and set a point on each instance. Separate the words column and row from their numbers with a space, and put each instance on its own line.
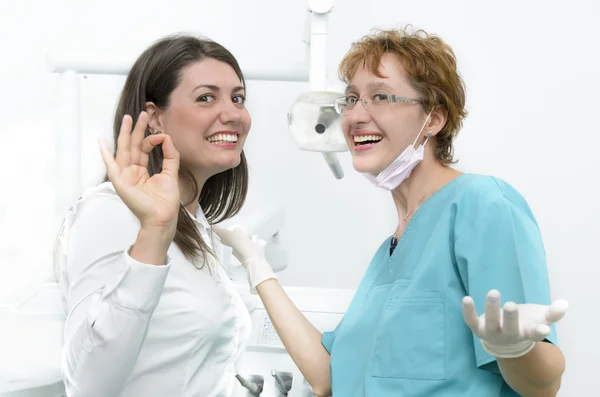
column 259, row 271
column 514, row 350
column 159, row 228
column 152, row 244
column 160, row 234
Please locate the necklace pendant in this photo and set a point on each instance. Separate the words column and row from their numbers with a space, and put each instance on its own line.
column 393, row 244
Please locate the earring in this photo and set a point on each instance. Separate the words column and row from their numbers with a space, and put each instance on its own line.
column 429, row 134
column 156, row 132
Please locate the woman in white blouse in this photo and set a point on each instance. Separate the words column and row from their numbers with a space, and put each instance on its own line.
column 150, row 310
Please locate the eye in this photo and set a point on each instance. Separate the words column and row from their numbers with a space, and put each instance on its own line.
column 379, row 97
column 351, row 100
column 239, row 99
column 206, row 98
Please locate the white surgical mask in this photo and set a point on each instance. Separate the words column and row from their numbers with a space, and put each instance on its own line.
column 399, row 170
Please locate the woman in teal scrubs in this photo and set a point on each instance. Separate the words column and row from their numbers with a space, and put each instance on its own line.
column 464, row 244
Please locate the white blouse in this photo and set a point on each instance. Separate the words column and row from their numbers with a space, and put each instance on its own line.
column 135, row 329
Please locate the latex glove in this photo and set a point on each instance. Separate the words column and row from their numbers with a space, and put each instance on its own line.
column 513, row 331
column 250, row 252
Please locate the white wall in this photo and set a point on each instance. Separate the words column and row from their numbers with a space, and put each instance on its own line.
column 531, row 72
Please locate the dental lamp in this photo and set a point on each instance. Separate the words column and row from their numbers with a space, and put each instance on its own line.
column 312, row 120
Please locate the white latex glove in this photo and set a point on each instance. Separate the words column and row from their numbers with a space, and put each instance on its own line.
column 513, row 331
column 250, row 252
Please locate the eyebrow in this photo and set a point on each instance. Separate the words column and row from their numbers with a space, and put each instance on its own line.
column 215, row 88
column 370, row 86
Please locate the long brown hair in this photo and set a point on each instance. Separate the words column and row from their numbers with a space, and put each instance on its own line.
column 153, row 77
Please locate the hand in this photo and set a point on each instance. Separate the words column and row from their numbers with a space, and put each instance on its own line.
column 513, row 331
column 250, row 252
column 154, row 200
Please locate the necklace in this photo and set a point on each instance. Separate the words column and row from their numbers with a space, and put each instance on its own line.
column 409, row 214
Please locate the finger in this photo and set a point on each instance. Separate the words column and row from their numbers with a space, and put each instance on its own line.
column 112, row 168
column 470, row 315
column 123, row 152
column 510, row 319
column 137, row 136
column 557, row 311
column 257, row 240
column 492, row 311
column 170, row 164
column 240, row 231
column 224, row 235
column 149, row 143
column 537, row 333
column 218, row 230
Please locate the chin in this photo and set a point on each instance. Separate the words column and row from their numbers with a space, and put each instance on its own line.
column 365, row 166
column 216, row 165
column 227, row 162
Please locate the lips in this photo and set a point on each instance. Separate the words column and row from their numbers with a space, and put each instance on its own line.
column 223, row 137
column 365, row 139
column 360, row 140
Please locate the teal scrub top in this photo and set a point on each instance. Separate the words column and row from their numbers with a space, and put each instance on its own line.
column 404, row 333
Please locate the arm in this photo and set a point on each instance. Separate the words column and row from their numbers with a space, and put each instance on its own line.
column 502, row 250
column 300, row 338
column 536, row 374
column 111, row 295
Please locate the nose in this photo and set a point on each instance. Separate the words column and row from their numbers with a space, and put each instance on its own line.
column 231, row 113
column 358, row 115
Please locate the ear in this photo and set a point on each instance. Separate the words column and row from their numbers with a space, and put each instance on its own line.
column 154, row 117
column 437, row 120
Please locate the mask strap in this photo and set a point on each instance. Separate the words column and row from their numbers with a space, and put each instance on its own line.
column 419, row 134
column 426, row 139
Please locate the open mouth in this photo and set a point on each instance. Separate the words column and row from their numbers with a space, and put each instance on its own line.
column 223, row 139
column 363, row 140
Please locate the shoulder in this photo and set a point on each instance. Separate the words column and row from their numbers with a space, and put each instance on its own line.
column 99, row 205
column 489, row 196
column 481, row 191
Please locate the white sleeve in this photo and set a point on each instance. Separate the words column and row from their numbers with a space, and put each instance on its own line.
column 109, row 297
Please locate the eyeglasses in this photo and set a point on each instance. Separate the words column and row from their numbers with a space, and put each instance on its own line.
column 371, row 102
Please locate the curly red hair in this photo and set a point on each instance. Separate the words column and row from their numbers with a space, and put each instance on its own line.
column 430, row 65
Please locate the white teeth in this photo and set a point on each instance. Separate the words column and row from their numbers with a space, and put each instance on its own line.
column 223, row 138
column 364, row 138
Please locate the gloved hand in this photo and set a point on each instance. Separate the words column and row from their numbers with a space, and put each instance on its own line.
column 513, row 331
column 250, row 252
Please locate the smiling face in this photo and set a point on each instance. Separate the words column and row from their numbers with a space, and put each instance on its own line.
column 377, row 136
column 206, row 117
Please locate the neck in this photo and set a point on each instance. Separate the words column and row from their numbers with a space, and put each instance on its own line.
column 425, row 179
column 187, row 194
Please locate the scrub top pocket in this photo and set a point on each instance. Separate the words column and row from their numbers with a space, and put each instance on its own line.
column 411, row 338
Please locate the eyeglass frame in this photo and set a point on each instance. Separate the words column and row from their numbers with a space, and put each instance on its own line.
column 391, row 98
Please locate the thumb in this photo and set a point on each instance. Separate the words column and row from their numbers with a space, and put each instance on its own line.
column 258, row 241
column 557, row 311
